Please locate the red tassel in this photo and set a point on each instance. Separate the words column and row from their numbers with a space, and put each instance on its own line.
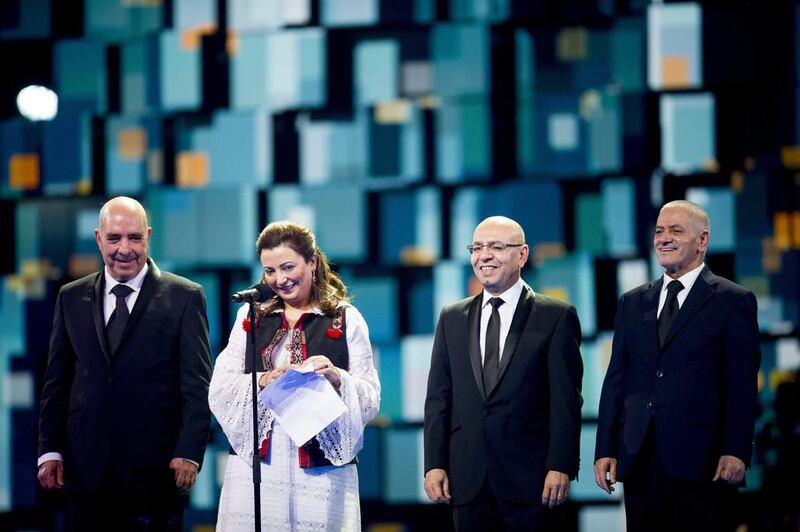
column 264, row 452
column 304, row 457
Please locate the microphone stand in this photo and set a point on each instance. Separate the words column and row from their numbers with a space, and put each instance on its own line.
column 256, row 454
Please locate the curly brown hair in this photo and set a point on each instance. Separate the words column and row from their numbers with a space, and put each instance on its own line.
column 328, row 289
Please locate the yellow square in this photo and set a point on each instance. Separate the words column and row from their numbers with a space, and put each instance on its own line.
column 556, row 292
column 23, row 171
column 790, row 156
column 394, row 112
column 572, row 44
column 192, row 169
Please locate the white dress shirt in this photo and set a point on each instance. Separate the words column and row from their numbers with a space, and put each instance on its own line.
column 510, row 299
column 687, row 280
column 110, row 300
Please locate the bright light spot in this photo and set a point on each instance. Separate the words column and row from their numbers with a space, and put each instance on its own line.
column 37, row 103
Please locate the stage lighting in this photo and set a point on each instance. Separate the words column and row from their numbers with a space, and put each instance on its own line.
column 37, row 103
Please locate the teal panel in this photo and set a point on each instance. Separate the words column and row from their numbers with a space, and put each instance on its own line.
column 80, row 71
column 619, row 216
column 460, row 54
column 123, row 175
column 332, row 224
column 463, row 141
column 720, row 204
column 133, row 77
column 688, row 132
column 180, row 74
column 248, row 67
column 335, row 13
column 589, row 229
column 390, row 373
column 227, row 224
column 574, row 274
column 376, row 69
column 177, row 235
column 377, row 299
column 239, row 147
column 402, row 475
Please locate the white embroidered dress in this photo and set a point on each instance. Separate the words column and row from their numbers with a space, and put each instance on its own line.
column 319, row 498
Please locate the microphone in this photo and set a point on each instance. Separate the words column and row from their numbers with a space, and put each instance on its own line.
column 255, row 294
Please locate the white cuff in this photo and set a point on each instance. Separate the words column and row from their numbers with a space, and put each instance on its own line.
column 49, row 456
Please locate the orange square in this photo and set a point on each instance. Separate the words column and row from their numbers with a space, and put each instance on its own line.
column 232, row 43
column 192, row 169
column 80, row 265
column 782, row 227
column 770, row 256
column 23, row 171
column 674, row 71
column 191, row 38
column 796, row 229
column 132, row 143
column 737, row 181
column 474, row 287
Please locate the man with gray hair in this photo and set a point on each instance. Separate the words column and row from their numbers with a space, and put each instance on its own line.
column 678, row 405
column 124, row 416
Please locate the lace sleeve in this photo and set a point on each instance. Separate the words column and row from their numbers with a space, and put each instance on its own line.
column 230, row 394
column 360, row 391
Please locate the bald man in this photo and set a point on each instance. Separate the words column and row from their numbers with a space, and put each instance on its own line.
column 678, row 406
column 124, row 416
column 503, row 409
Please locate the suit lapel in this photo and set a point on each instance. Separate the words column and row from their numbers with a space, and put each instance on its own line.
column 151, row 280
column 700, row 293
column 650, row 316
column 98, row 309
column 473, row 342
column 518, row 325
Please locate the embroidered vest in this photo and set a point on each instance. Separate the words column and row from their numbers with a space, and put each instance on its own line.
column 313, row 334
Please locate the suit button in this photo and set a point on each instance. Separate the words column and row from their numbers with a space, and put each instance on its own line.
column 650, row 405
column 659, row 374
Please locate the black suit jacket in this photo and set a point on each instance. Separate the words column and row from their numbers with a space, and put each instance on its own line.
column 698, row 392
column 528, row 424
column 136, row 408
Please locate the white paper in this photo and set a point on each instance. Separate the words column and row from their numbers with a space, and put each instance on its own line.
column 303, row 403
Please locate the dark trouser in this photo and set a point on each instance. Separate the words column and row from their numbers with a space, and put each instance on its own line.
column 150, row 502
column 654, row 502
column 487, row 512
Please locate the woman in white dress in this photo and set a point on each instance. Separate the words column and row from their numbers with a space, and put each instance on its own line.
column 308, row 320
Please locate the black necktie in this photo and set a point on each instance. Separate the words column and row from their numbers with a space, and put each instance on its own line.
column 669, row 311
column 491, row 350
column 116, row 323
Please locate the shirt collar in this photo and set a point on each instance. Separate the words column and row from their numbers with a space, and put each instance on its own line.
column 687, row 279
column 135, row 283
column 510, row 297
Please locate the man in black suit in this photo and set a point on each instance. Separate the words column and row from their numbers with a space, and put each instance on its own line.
column 124, row 415
column 678, row 405
column 503, row 409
